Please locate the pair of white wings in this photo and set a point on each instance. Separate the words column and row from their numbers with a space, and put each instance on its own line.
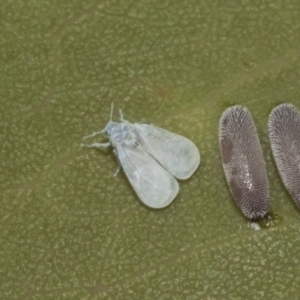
column 154, row 160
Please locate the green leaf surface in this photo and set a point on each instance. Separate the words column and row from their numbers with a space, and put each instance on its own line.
column 68, row 228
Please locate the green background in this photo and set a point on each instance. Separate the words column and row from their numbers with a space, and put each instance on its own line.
column 68, row 228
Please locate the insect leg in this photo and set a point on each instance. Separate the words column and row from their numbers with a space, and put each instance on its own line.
column 117, row 171
column 121, row 116
column 97, row 145
column 94, row 134
column 119, row 163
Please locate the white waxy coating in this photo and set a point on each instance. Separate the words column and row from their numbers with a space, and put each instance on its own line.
column 243, row 162
column 284, row 134
column 151, row 158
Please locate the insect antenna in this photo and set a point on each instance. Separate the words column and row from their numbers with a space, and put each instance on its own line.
column 105, row 128
column 111, row 112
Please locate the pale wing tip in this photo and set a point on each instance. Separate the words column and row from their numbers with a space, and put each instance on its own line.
column 194, row 161
column 160, row 203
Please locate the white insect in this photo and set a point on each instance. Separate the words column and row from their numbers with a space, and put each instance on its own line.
column 151, row 157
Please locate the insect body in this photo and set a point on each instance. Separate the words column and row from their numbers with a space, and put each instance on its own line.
column 284, row 134
column 243, row 162
column 151, row 158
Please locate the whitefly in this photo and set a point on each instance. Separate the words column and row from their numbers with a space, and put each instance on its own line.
column 151, row 157
column 284, row 135
column 243, row 162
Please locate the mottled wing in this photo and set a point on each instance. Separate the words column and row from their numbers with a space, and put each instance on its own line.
column 284, row 134
column 153, row 184
column 176, row 153
column 243, row 161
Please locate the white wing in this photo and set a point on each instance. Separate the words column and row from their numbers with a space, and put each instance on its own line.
column 154, row 185
column 176, row 153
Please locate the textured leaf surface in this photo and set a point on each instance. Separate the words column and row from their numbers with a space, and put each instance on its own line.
column 68, row 228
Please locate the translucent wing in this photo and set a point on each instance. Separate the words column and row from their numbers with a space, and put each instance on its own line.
column 176, row 153
column 154, row 185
